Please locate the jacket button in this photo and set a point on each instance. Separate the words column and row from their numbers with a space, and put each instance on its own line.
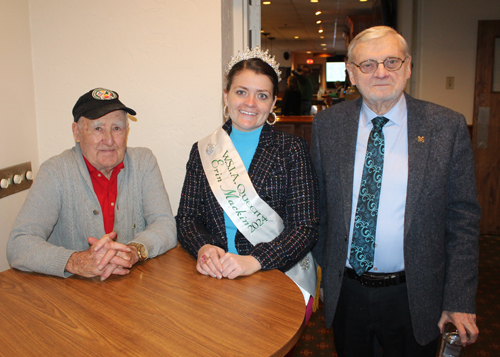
column 340, row 273
column 96, row 212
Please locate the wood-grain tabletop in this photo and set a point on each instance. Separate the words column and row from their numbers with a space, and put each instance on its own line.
column 162, row 308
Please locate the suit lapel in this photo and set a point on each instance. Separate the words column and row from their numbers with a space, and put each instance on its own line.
column 419, row 141
column 347, row 138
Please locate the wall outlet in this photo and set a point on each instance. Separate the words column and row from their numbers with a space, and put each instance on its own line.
column 15, row 178
column 450, row 83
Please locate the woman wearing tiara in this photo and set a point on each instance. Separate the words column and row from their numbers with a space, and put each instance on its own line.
column 249, row 200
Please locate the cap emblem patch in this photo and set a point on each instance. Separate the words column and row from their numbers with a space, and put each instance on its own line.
column 103, row 94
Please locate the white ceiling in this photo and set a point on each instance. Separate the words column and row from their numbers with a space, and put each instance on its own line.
column 285, row 19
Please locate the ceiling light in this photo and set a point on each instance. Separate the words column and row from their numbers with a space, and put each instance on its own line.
column 320, row 30
column 321, row 36
column 363, row 0
column 318, row 13
column 318, row 22
column 323, row 44
column 314, row 0
column 296, row 37
column 269, row 3
column 308, row 52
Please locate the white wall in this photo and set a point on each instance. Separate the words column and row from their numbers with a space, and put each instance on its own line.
column 162, row 57
column 18, row 140
column 448, row 34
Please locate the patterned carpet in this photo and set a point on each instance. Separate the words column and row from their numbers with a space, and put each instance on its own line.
column 317, row 340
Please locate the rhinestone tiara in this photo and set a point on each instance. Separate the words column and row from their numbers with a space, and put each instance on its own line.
column 255, row 53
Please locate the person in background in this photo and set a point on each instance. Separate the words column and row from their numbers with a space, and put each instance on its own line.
column 339, row 90
column 399, row 212
column 290, row 105
column 249, row 200
column 98, row 208
column 306, row 82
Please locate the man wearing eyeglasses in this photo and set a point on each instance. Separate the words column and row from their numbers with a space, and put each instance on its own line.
column 399, row 227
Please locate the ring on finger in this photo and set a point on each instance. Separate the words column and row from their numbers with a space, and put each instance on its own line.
column 204, row 259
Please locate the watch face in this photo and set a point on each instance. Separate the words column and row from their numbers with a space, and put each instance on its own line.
column 142, row 252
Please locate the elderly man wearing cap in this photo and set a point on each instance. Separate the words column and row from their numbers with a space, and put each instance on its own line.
column 98, row 208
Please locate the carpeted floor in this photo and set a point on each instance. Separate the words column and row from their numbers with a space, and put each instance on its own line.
column 317, row 340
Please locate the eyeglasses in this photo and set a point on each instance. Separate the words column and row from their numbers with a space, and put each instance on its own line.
column 390, row 64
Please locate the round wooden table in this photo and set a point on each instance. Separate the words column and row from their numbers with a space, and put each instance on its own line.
column 162, row 308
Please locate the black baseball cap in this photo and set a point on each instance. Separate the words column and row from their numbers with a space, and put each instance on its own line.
column 98, row 102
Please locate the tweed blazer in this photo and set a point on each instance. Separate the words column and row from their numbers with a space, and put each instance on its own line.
column 282, row 174
column 442, row 213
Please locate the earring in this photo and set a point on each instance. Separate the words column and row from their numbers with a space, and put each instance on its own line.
column 275, row 119
column 226, row 112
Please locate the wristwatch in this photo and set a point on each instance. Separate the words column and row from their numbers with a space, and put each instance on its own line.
column 141, row 251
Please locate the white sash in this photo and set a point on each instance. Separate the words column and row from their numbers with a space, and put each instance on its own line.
column 253, row 217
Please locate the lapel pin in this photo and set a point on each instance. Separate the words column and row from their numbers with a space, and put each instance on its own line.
column 421, row 139
column 210, row 148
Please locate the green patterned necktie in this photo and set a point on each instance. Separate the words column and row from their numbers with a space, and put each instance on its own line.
column 365, row 221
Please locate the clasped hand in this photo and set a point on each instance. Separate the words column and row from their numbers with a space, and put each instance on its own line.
column 215, row 262
column 103, row 258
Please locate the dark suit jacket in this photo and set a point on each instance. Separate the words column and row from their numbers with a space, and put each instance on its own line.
column 442, row 213
column 282, row 174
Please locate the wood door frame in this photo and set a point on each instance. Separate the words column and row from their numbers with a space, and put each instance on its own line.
column 487, row 170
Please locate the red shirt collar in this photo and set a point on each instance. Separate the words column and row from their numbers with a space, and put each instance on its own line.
column 115, row 172
column 106, row 192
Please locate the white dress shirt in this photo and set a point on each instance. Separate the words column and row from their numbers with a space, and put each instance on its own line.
column 389, row 256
